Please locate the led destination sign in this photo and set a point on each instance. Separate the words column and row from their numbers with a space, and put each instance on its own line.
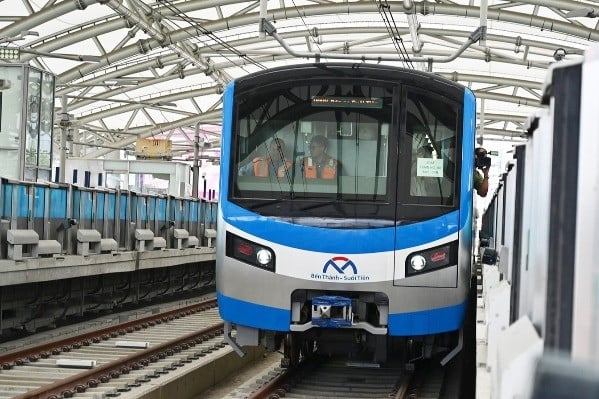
column 347, row 102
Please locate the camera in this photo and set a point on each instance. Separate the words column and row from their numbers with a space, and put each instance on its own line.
column 483, row 161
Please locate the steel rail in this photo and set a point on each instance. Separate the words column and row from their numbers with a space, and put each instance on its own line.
column 64, row 345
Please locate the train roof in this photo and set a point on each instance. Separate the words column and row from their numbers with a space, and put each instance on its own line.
column 348, row 69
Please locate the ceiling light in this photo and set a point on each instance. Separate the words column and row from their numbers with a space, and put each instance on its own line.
column 7, row 53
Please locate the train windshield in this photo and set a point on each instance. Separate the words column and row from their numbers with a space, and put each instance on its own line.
column 320, row 146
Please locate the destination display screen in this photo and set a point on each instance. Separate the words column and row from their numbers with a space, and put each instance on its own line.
column 347, row 102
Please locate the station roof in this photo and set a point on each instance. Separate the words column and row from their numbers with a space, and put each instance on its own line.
column 129, row 69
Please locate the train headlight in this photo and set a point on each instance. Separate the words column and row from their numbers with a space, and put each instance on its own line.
column 250, row 252
column 264, row 257
column 432, row 259
column 418, row 262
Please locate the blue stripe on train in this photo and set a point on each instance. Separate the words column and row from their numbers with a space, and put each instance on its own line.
column 423, row 322
column 253, row 315
column 468, row 132
column 348, row 241
column 432, row 321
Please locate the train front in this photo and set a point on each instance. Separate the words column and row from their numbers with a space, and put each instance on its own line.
column 345, row 219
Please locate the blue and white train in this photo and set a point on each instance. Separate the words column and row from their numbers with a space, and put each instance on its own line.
column 371, row 258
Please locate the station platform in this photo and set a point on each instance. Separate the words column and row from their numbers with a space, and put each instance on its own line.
column 34, row 270
column 52, row 232
column 69, row 251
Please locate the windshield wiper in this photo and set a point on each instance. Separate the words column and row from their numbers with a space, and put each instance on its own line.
column 318, row 205
column 269, row 202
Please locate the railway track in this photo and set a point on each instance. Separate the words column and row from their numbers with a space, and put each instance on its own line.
column 126, row 360
column 113, row 360
column 325, row 378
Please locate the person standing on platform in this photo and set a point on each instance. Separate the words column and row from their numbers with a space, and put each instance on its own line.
column 481, row 179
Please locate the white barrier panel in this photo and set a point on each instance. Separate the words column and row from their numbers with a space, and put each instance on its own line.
column 490, row 277
column 490, row 280
column 498, row 310
column 519, row 348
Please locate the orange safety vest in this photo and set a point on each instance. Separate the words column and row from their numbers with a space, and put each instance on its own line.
column 262, row 167
column 329, row 170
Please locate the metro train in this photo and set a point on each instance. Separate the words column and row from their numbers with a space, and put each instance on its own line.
column 369, row 259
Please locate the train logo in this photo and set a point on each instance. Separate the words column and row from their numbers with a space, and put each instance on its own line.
column 340, row 268
column 334, row 262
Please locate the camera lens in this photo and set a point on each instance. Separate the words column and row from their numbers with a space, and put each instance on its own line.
column 483, row 161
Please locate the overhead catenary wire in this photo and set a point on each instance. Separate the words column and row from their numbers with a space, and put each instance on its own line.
column 305, row 24
column 200, row 29
column 387, row 16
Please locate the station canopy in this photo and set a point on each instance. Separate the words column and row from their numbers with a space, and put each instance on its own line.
column 130, row 69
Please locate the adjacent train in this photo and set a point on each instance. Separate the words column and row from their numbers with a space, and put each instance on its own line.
column 352, row 234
